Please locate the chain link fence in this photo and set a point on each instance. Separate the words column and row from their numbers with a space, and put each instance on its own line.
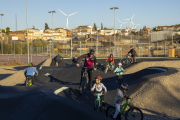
column 156, row 44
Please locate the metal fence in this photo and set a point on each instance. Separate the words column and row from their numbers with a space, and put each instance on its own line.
column 145, row 46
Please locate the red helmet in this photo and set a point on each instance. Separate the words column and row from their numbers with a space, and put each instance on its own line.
column 99, row 77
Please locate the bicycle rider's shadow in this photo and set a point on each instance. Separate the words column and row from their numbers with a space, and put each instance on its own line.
column 87, row 98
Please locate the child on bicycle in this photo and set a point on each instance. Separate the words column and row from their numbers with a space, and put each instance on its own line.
column 111, row 59
column 119, row 71
column 29, row 72
column 98, row 86
column 121, row 93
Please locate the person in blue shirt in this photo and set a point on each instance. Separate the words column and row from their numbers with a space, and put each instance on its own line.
column 119, row 71
column 29, row 72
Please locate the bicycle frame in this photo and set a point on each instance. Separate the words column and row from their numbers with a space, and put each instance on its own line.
column 98, row 99
column 124, row 107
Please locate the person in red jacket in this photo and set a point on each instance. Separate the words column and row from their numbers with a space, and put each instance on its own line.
column 111, row 60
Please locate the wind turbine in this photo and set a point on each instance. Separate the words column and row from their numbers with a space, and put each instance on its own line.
column 121, row 23
column 135, row 24
column 130, row 20
column 67, row 16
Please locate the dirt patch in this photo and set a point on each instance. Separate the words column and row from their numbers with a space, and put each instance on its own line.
column 13, row 78
column 15, row 63
column 159, row 96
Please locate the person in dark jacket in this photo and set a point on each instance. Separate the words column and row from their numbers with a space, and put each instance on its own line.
column 90, row 59
column 58, row 58
column 133, row 54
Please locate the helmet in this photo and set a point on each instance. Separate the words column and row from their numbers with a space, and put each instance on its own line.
column 111, row 55
column 59, row 53
column 120, row 63
column 124, row 86
column 91, row 51
column 99, row 77
column 30, row 64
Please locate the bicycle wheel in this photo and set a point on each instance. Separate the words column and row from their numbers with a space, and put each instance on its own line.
column 96, row 106
column 110, row 111
column 106, row 69
column 134, row 114
column 127, row 62
column 83, row 86
column 27, row 82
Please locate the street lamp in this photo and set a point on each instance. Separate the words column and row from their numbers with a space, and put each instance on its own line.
column 1, row 34
column 27, row 31
column 52, row 29
column 114, row 25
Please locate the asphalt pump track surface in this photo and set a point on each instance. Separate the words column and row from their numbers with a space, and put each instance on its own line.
column 39, row 102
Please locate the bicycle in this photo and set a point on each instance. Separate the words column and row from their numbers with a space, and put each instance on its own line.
column 98, row 105
column 29, row 80
column 85, row 80
column 127, row 61
column 109, row 66
column 119, row 80
column 131, row 113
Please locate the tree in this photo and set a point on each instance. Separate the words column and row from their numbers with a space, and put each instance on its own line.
column 95, row 28
column 33, row 27
column 154, row 29
column 101, row 26
column 105, row 28
column 3, row 31
column 144, row 27
column 8, row 30
column 46, row 26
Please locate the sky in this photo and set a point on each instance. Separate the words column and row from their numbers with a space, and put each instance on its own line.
column 149, row 13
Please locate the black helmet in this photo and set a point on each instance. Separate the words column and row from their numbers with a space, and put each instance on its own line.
column 124, row 86
column 91, row 51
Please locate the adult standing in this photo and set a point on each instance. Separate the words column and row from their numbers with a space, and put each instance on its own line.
column 90, row 59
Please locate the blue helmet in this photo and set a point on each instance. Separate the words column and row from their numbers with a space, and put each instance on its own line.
column 111, row 55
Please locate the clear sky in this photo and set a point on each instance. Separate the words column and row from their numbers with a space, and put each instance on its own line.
column 147, row 12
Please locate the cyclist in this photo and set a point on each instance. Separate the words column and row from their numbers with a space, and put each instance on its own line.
column 90, row 59
column 29, row 72
column 133, row 54
column 121, row 93
column 58, row 58
column 111, row 60
column 119, row 71
column 98, row 86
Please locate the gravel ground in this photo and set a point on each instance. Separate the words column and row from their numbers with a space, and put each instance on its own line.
column 12, row 76
column 159, row 98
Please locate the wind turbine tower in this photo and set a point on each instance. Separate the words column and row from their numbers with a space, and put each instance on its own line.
column 67, row 16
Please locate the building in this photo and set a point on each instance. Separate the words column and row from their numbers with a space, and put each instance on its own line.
column 82, row 31
column 166, row 27
column 20, row 34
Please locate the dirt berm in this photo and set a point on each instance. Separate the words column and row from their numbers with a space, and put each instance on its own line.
column 18, row 77
column 160, row 96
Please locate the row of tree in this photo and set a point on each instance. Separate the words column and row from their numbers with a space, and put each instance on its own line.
column 8, row 48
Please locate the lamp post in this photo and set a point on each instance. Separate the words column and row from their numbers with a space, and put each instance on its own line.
column 27, row 32
column 1, row 34
column 114, row 25
column 52, row 30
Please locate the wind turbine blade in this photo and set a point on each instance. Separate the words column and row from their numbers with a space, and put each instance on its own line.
column 73, row 14
column 124, row 22
column 119, row 20
column 126, row 19
column 62, row 12
column 132, row 17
